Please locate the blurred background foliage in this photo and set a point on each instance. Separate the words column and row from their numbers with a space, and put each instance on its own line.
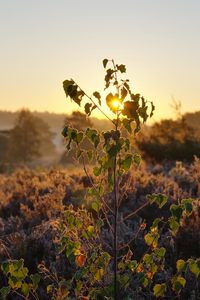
column 34, row 139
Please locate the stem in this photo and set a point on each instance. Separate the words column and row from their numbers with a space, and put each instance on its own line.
column 115, row 250
column 115, row 233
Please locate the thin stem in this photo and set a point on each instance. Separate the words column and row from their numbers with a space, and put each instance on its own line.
column 115, row 250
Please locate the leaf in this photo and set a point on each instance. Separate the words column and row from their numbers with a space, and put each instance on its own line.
column 99, row 274
column 194, row 267
column 176, row 211
column 95, row 206
column 137, row 158
column 67, row 84
column 159, row 290
column 98, row 96
column 180, row 265
column 97, row 171
column 5, row 291
column 89, row 154
column 93, row 136
column 124, row 281
column 130, row 109
column 187, row 204
column 127, row 125
column 109, row 101
column 65, row 131
column 121, row 68
column 79, row 137
column 105, row 61
column 5, row 267
column 123, row 93
column 159, row 199
column 80, row 260
column 35, row 279
column 14, row 282
column 152, row 109
column 49, row 288
column 160, row 252
column 151, row 238
column 178, row 282
column 25, row 289
column 126, row 163
column 174, row 225
column 87, row 108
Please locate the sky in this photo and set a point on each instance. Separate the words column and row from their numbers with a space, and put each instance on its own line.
column 44, row 42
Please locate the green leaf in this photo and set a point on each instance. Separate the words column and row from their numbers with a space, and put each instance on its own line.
column 174, row 225
column 95, row 206
column 194, row 267
column 187, row 204
column 159, row 290
column 78, row 153
column 25, row 289
column 105, row 61
column 160, row 252
column 93, row 136
column 5, row 267
column 126, row 163
column 178, row 282
column 137, row 158
column 89, row 154
column 180, row 265
column 35, row 279
column 151, row 238
column 5, row 291
column 159, row 199
column 49, row 288
column 156, row 222
column 14, row 282
column 79, row 137
column 148, row 259
column 124, row 281
column 176, row 211
column 97, row 171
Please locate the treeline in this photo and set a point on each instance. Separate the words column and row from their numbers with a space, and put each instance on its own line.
column 31, row 137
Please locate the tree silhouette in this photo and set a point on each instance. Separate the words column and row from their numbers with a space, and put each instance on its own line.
column 29, row 137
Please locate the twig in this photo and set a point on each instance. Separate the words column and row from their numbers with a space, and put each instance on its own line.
column 134, row 212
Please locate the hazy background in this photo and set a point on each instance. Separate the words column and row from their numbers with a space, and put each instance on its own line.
column 45, row 42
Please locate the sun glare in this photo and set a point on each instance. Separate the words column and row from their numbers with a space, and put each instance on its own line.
column 116, row 103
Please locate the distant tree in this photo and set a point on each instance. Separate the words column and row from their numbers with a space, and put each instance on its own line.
column 170, row 140
column 28, row 137
column 46, row 136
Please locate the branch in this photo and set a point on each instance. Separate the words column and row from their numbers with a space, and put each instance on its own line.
column 134, row 212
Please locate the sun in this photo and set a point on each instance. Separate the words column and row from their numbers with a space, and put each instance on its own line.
column 116, row 103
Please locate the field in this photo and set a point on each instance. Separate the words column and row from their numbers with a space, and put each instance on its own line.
column 33, row 205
